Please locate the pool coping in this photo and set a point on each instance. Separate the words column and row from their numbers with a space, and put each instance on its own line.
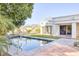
column 38, row 38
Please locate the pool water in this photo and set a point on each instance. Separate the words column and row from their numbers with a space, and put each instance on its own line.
column 26, row 44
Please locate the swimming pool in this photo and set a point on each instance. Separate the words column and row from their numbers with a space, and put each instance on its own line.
column 28, row 44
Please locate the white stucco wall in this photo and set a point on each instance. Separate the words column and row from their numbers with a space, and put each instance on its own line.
column 55, row 30
column 41, row 30
column 74, row 30
column 64, row 20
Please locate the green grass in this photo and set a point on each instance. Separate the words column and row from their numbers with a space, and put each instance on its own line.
column 44, row 36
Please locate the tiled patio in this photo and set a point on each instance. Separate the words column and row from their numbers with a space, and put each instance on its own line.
column 61, row 47
column 57, row 50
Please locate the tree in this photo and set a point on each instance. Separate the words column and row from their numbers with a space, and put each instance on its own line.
column 5, row 25
column 12, row 15
column 18, row 12
column 3, row 45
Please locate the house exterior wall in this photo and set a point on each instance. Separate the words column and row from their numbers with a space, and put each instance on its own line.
column 55, row 30
column 72, row 20
column 75, row 30
column 46, row 30
column 66, row 18
column 43, row 30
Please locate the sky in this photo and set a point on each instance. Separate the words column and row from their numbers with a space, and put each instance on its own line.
column 44, row 10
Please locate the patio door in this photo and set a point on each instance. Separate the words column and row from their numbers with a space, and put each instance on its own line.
column 68, row 30
column 65, row 30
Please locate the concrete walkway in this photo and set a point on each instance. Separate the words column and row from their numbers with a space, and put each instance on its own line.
column 63, row 41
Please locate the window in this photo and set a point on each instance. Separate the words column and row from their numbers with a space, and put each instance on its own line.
column 63, row 30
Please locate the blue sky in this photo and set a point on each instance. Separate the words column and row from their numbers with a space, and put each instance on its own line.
column 43, row 10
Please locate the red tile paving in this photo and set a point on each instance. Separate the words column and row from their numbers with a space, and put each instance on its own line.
column 58, row 50
column 62, row 47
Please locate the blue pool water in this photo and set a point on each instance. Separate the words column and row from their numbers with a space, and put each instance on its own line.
column 27, row 44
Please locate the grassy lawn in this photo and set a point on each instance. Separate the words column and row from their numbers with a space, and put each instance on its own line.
column 44, row 36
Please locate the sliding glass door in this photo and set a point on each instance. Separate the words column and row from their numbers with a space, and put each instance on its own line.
column 65, row 30
column 68, row 29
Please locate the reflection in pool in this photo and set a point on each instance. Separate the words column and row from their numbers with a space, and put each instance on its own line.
column 26, row 44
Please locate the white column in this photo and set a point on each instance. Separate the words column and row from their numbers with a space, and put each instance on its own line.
column 55, row 30
column 41, row 30
column 74, row 29
column 58, row 30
